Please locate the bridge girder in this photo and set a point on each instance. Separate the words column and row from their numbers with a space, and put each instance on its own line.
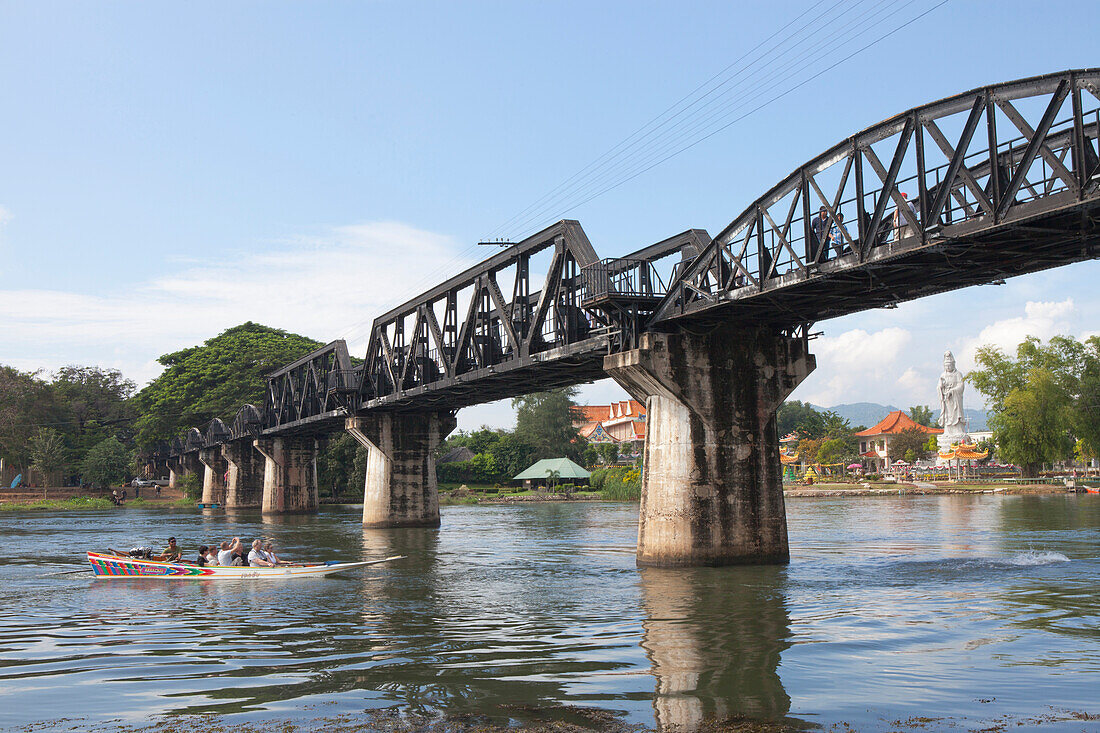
column 1036, row 161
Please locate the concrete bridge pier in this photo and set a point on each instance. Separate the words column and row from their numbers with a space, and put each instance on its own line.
column 712, row 489
column 213, row 476
column 290, row 475
column 182, row 466
column 245, row 485
column 400, row 488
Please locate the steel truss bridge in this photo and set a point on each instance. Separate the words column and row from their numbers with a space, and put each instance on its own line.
column 994, row 182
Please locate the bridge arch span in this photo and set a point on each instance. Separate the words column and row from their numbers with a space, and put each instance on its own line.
column 994, row 182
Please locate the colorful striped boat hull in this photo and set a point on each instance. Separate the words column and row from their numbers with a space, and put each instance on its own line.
column 106, row 566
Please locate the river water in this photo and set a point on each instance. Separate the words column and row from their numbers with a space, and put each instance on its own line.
column 896, row 613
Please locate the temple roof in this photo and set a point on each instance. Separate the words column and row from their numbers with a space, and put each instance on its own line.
column 896, row 422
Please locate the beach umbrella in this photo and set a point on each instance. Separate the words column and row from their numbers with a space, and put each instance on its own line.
column 854, row 466
column 900, row 462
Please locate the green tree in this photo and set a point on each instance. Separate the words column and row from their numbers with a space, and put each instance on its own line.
column 26, row 404
column 609, row 453
column 214, row 380
column 1041, row 399
column 833, row 425
column 1086, row 407
column 835, row 450
column 512, row 455
column 591, row 456
column 338, row 474
column 988, row 447
column 94, row 404
column 545, row 421
column 106, row 463
column 48, row 452
column 485, row 469
column 800, row 417
column 913, row 441
column 921, row 414
column 1031, row 426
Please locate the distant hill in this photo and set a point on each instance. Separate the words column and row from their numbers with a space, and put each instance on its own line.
column 860, row 413
column 869, row 413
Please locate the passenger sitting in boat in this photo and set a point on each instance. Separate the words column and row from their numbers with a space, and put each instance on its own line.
column 172, row 553
column 256, row 558
column 269, row 552
column 202, row 561
column 212, row 555
column 231, row 553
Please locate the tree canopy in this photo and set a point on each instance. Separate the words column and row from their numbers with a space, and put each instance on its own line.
column 106, row 463
column 810, row 423
column 544, row 420
column 1042, row 401
column 910, row 445
column 26, row 405
column 214, row 380
column 921, row 414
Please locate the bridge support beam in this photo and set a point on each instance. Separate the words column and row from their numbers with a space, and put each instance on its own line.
column 712, row 489
column 290, row 475
column 213, row 476
column 181, row 466
column 245, row 485
column 400, row 488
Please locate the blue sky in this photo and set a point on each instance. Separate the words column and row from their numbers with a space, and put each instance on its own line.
column 170, row 170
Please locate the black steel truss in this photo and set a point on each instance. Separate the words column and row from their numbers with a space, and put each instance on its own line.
column 1022, row 197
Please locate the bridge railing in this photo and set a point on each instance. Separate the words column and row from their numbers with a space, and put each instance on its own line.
column 982, row 158
column 622, row 278
column 342, row 381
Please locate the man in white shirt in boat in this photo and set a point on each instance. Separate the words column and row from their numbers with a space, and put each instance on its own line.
column 257, row 558
column 229, row 551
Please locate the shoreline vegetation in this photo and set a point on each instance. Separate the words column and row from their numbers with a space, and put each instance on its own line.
column 490, row 495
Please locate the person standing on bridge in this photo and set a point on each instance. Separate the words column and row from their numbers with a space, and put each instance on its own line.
column 906, row 220
column 838, row 234
column 819, row 235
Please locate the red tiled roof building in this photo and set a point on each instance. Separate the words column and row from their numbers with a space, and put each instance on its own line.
column 620, row 422
column 874, row 442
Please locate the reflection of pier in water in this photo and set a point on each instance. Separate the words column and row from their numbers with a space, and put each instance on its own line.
column 715, row 654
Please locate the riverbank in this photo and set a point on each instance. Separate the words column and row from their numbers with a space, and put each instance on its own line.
column 71, row 498
column 825, row 490
column 919, row 489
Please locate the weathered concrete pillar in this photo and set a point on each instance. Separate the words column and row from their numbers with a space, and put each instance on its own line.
column 213, row 476
column 400, row 489
column 184, row 465
column 290, row 475
column 245, row 486
column 712, row 488
column 175, row 468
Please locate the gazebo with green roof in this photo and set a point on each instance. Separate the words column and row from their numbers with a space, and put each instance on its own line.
column 558, row 469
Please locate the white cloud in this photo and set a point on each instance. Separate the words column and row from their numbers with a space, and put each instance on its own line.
column 327, row 287
column 1041, row 319
column 850, row 361
column 5, row 216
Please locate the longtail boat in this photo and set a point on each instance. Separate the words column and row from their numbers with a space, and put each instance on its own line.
column 115, row 565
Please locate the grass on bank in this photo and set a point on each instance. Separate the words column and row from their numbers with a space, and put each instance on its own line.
column 90, row 502
column 74, row 502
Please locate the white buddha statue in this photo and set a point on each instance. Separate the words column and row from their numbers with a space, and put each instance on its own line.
column 952, row 418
